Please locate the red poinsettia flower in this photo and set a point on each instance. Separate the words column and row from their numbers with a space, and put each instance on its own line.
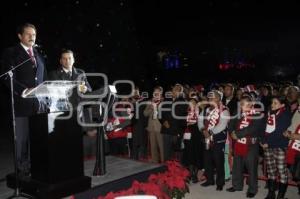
column 166, row 185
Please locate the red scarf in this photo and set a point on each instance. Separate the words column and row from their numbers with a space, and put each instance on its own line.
column 156, row 101
column 192, row 116
column 241, row 146
column 271, row 122
column 211, row 120
column 293, row 149
column 213, row 117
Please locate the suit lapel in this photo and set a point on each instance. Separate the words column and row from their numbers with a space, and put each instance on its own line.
column 22, row 54
column 74, row 74
column 61, row 74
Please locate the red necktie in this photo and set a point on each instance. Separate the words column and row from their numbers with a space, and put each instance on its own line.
column 31, row 55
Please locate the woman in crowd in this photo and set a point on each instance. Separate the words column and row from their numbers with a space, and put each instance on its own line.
column 274, row 144
column 193, row 139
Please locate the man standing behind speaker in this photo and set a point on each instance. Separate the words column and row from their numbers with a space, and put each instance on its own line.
column 67, row 71
column 30, row 74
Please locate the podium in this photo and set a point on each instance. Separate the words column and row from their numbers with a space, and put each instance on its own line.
column 56, row 145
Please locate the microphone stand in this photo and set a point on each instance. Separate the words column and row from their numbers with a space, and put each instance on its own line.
column 100, row 164
column 10, row 73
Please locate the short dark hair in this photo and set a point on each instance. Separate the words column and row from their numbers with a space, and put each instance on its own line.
column 63, row 51
column 21, row 28
column 281, row 99
column 229, row 85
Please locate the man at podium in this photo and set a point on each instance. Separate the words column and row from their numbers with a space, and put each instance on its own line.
column 29, row 74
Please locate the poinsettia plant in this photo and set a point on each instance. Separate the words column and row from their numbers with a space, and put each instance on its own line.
column 171, row 184
column 176, row 180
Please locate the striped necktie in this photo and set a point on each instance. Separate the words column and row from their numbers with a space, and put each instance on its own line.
column 31, row 56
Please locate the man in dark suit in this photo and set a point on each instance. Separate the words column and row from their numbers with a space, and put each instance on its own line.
column 229, row 100
column 30, row 74
column 172, row 123
column 67, row 71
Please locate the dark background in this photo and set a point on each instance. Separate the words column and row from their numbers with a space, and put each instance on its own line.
column 121, row 38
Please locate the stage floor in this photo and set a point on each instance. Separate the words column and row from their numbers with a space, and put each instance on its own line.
column 116, row 169
column 6, row 165
column 120, row 173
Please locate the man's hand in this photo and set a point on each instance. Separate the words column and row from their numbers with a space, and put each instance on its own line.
column 294, row 136
column 26, row 91
column 92, row 132
column 166, row 124
column 151, row 107
column 287, row 134
column 291, row 136
column 206, row 133
column 233, row 136
column 82, row 87
column 264, row 146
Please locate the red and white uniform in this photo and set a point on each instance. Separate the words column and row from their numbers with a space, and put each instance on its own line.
column 293, row 148
column 241, row 145
column 212, row 119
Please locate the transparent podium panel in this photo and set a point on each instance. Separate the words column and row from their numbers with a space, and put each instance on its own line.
column 53, row 96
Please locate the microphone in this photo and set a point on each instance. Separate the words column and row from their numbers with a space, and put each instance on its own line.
column 36, row 46
column 40, row 49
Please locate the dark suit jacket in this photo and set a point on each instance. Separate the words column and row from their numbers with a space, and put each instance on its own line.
column 26, row 76
column 60, row 74
column 255, row 130
column 232, row 106
column 177, row 125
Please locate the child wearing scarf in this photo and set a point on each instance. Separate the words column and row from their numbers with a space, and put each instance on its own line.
column 275, row 145
column 245, row 132
column 213, row 124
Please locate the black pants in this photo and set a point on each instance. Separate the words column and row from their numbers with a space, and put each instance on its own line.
column 23, row 153
column 118, row 146
column 214, row 159
column 251, row 163
column 138, row 152
column 193, row 152
column 168, row 144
